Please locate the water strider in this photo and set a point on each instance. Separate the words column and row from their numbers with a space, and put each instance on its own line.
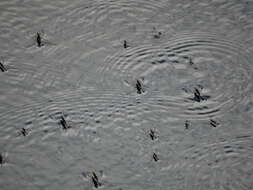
column 1, row 159
column 125, row 44
column 152, row 134
column 24, row 132
column 64, row 123
column 197, row 96
column 95, row 180
column 187, row 124
column 155, row 157
column 38, row 39
column 2, row 67
column 213, row 123
column 139, row 87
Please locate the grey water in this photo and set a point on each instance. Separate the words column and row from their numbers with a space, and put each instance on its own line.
column 126, row 94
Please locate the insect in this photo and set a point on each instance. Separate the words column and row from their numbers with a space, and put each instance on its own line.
column 138, row 86
column 155, row 157
column 64, row 123
column 24, row 132
column 197, row 96
column 95, row 180
column 125, row 44
column 39, row 43
column 186, row 124
column 152, row 134
column 213, row 123
column 2, row 68
column 1, row 159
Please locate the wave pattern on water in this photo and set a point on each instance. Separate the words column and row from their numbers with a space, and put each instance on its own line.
column 146, row 94
column 219, row 69
column 113, row 126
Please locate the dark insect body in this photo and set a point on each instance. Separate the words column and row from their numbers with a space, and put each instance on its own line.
column 198, row 97
column 213, row 123
column 152, row 134
column 24, row 132
column 64, row 123
column 125, row 44
column 38, row 39
column 2, row 68
column 95, row 181
column 139, row 87
column 187, row 124
column 155, row 157
column 1, row 159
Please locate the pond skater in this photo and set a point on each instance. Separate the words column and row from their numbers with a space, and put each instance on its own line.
column 64, row 123
column 2, row 67
column 139, row 87
column 95, row 180
column 155, row 157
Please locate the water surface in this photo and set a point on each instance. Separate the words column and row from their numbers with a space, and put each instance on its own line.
column 116, row 70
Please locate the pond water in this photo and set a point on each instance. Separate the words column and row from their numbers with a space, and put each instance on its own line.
column 126, row 94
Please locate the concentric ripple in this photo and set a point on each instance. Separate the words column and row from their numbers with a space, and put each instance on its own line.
column 221, row 71
column 95, row 22
column 76, row 34
column 107, row 127
column 194, row 90
column 216, row 165
column 113, row 11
